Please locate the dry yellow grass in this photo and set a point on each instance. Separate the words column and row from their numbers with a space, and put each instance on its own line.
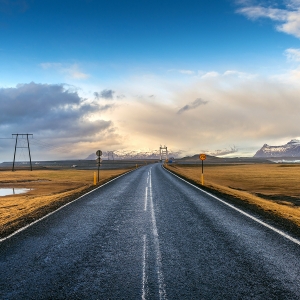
column 50, row 189
column 272, row 188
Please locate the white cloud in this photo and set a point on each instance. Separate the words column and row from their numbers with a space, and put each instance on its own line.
column 292, row 75
column 183, row 71
column 210, row 74
column 227, row 73
column 187, row 72
column 288, row 18
column 293, row 54
column 239, row 74
column 71, row 71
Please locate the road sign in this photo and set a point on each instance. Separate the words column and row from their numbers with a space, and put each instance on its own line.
column 99, row 160
column 202, row 156
column 99, row 153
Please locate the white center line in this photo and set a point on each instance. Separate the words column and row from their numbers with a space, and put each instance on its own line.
column 144, row 283
column 146, row 198
column 160, row 276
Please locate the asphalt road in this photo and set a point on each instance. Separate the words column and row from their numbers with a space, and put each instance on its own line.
column 149, row 235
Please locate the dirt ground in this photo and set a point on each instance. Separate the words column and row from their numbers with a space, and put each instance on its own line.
column 49, row 189
column 272, row 188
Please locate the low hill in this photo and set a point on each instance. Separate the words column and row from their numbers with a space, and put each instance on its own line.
column 221, row 160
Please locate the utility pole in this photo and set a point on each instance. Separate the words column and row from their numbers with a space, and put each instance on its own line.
column 163, row 150
column 22, row 136
column 110, row 153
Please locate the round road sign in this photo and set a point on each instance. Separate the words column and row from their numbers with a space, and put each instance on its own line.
column 99, row 153
column 202, row 156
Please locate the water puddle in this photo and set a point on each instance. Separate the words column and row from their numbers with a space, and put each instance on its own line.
column 12, row 191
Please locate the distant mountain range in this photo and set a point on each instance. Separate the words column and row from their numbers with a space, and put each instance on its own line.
column 291, row 149
column 120, row 155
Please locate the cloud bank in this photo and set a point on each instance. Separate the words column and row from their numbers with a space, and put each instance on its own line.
column 235, row 108
column 54, row 112
column 239, row 109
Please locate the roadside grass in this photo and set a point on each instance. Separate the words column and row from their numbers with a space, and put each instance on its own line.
column 50, row 189
column 274, row 189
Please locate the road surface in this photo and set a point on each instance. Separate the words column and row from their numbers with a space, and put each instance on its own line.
column 149, row 235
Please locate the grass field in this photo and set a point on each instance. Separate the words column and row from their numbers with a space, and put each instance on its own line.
column 271, row 187
column 49, row 190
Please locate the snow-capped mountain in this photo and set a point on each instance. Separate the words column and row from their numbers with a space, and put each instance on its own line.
column 291, row 149
column 119, row 155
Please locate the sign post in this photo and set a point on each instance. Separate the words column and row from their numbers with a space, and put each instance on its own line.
column 203, row 158
column 99, row 153
column 95, row 178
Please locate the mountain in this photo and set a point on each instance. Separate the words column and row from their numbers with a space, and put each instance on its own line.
column 291, row 149
column 119, row 155
column 210, row 159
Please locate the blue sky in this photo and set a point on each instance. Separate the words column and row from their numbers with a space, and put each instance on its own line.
column 142, row 35
column 155, row 59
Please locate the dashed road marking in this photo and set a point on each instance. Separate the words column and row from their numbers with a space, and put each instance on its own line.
column 160, row 276
column 146, row 199
column 144, row 281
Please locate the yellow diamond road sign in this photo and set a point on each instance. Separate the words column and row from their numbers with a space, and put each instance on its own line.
column 202, row 156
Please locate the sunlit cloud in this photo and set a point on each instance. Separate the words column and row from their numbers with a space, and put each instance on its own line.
column 222, row 152
column 239, row 74
column 243, row 111
column 204, row 112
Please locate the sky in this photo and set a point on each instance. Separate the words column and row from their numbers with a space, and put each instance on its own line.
column 219, row 76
